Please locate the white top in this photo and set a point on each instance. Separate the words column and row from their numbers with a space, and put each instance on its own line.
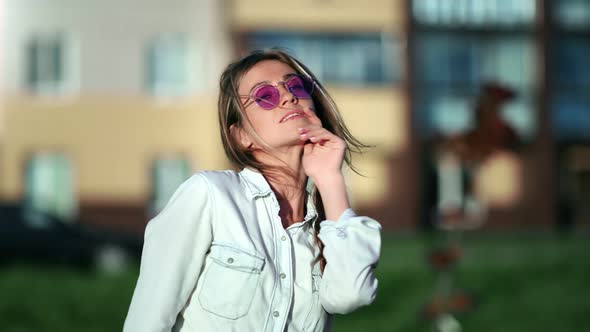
column 217, row 258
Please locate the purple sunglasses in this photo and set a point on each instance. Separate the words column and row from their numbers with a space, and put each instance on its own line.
column 268, row 96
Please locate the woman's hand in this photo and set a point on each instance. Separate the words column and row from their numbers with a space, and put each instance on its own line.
column 323, row 151
column 322, row 160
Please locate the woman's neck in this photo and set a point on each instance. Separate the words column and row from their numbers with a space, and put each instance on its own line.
column 288, row 182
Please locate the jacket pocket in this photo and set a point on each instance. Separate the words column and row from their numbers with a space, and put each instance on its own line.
column 230, row 281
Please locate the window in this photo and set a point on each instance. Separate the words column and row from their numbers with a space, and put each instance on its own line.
column 461, row 45
column 167, row 175
column 570, row 69
column 351, row 59
column 474, row 12
column 571, row 116
column 169, row 66
column 45, row 64
column 49, row 186
column 572, row 13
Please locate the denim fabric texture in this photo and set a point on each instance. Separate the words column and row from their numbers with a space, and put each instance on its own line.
column 217, row 258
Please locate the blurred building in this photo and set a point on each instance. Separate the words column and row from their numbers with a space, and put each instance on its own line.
column 535, row 47
column 111, row 105
column 108, row 106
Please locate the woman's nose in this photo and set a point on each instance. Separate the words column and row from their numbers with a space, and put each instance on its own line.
column 287, row 96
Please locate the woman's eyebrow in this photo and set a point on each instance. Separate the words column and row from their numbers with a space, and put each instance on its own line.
column 286, row 76
column 258, row 84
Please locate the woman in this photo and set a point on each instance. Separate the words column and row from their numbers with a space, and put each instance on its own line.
column 274, row 247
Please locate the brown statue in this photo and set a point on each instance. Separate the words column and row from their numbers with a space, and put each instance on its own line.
column 458, row 158
column 491, row 132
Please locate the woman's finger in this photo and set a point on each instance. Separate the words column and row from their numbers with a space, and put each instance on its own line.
column 307, row 129
column 320, row 132
column 312, row 130
column 318, row 136
column 307, row 148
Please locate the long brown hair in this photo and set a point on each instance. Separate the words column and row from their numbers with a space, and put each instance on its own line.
column 231, row 113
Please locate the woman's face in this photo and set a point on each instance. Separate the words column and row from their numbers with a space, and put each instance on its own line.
column 277, row 127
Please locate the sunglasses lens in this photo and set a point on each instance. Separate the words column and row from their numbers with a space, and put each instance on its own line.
column 300, row 87
column 267, row 97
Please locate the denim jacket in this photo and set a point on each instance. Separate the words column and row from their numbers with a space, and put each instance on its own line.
column 217, row 258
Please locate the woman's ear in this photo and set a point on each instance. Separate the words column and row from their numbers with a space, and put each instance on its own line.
column 240, row 135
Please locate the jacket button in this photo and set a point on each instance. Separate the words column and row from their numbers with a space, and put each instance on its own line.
column 230, row 260
column 283, row 238
column 276, row 314
column 283, row 276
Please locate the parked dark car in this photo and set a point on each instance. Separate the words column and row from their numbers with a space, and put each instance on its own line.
column 28, row 236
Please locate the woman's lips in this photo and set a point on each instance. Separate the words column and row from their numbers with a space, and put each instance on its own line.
column 292, row 115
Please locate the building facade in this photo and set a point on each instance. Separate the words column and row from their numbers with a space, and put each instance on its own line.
column 108, row 106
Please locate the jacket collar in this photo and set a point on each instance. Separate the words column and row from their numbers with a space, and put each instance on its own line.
column 257, row 186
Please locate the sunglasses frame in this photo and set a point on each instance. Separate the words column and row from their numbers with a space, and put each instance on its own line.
column 256, row 100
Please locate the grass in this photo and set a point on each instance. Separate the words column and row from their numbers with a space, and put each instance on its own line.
column 522, row 282
column 39, row 299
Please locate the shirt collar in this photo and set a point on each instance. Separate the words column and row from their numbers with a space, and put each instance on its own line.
column 257, row 186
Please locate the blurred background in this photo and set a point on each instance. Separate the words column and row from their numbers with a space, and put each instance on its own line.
column 478, row 110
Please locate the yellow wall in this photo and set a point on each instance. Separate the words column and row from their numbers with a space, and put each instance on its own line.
column 112, row 140
column 377, row 115
column 318, row 15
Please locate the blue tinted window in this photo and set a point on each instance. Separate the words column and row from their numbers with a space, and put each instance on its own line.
column 355, row 59
column 572, row 13
column 450, row 69
column 474, row 12
column 167, row 65
column 571, row 116
column 45, row 64
column 49, row 185
column 570, row 107
column 572, row 61
column 167, row 175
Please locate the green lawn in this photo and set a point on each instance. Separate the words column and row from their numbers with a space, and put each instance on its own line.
column 521, row 282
